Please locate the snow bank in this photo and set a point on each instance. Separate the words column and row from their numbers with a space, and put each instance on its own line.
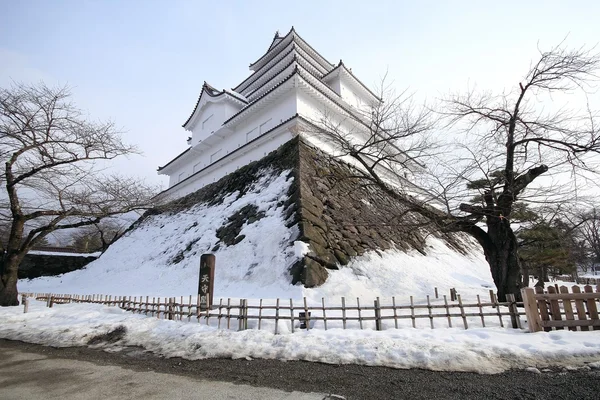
column 489, row 350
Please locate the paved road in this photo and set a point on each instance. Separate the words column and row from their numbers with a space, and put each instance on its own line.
column 147, row 376
column 30, row 375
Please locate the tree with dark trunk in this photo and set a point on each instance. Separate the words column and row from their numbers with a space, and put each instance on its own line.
column 589, row 232
column 51, row 176
column 97, row 237
column 511, row 139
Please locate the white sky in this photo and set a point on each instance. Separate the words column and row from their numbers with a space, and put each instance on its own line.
column 142, row 63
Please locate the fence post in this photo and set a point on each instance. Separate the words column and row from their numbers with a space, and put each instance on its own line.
column 170, row 309
column 25, row 301
column 531, row 310
column 242, row 316
column 51, row 301
column 514, row 311
column 453, row 294
column 377, row 315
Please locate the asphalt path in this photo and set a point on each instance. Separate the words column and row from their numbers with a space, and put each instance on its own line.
column 29, row 371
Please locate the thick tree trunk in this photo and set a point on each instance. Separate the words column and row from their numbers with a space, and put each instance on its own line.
column 9, row 296
column 503, row 259
column 544, row 274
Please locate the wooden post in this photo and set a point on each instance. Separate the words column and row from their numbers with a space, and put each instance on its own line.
column 241, row 316
column 395, row 312
column 569, row 316
column 448, row 312
column 344, row 312
column 579, row 304
column 228, row 311
column 412, row 312
column 206, row 280
column 436, row 293
column 453, row 294
column 554, row 306
column 480, row 312
column 51, row 303
column 306, row 315
column 359, row 314
column 324, row 316
column 531, row 310
column 377, row 315
column 591, row 305
column 498, row 312
column 260, row 307
column 429, row 312
column 292, row 314
column 25, row 301
column 277, row 315
column 514, row 311
column 462, row 311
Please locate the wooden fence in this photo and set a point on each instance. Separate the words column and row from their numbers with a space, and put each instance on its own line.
column 280, row 315
column 559, row 309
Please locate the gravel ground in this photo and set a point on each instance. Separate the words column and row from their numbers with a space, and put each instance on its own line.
column 350, row 381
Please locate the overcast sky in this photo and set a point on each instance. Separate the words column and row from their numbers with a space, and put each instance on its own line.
column 142, row 63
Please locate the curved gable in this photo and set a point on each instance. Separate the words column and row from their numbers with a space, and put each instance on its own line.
column 209, row 94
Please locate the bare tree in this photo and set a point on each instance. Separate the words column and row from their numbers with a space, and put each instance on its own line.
column 511, row 139
column 589, row 231
column 98, row 237
column 51, row 175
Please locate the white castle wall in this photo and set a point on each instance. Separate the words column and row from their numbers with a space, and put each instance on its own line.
column 217, row 156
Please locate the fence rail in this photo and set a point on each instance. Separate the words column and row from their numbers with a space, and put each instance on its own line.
column 280, row 315
column 558, row 309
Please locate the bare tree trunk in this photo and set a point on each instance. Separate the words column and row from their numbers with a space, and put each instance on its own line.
column 9, row 295
column 504, row 260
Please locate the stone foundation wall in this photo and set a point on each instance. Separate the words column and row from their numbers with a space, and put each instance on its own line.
column 36, row 265
column 341, row 217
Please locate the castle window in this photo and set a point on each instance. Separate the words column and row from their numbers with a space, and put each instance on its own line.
column 215, row 156
column 251, row 135
column 265, row 126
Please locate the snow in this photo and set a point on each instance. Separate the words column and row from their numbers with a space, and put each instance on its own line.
column 142, row 262
column 483, row 350
column 301, row 248
column 160, row 257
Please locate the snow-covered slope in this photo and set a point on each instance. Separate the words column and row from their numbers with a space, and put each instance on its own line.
column 160, row 257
